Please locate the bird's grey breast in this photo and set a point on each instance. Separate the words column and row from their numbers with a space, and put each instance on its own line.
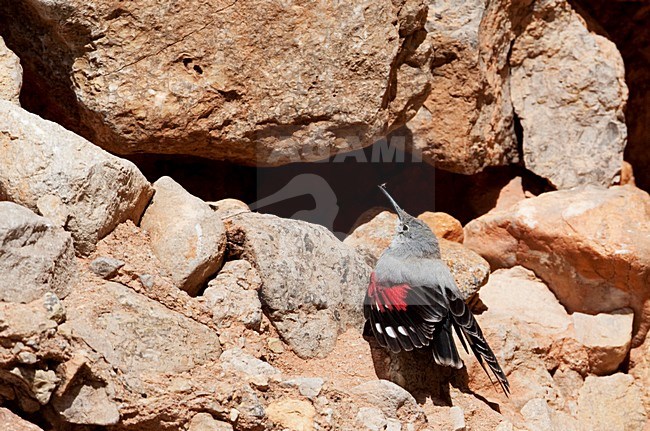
column 414, row 272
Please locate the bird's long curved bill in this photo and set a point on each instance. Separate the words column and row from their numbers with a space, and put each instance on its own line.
column 398, row 210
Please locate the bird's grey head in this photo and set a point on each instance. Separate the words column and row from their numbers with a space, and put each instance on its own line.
column 413, row 237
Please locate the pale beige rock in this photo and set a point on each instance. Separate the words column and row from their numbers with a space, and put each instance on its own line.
column 466, row 123
column 39, row 158
column 12, row 422
column 606, row 338
column 312, row 284
column 205, row 422
column 385, row 395
column 86, row 404
column 529, row 332
column 569, row 92
column 30, row 324
column 297, row 415
column 186, row 235
column 469, row 270
column 457, row 417
column 237, row 360
column 443, row 225
column 590, row 245
column 611, row 403
column 11, row 74
column 232, row 295
column 35, row 256
column 258, row 83
column 228, row 208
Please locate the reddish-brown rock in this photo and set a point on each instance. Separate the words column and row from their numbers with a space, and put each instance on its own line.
column 590, row 245
column 263, row 83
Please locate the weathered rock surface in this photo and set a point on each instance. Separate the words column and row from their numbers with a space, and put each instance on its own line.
column 385, row 395
column 606, row 337
column 51, row 170
column 35, row 256
column 186, row 235
column 237, row 360
column 254, row 83
column 31, row 346
column 292, row 414
column 469, row 270
column 205, row 422
column 11, row 74
column 137, row 336
column 232, row 295
column 591, row 246
column 529, row 332
column 466, row 123
column 569, row 92
column 312, row 284
column 611, row 403
column 12, row 422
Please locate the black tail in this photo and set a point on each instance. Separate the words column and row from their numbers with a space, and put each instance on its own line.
column 465, row 323
column 444, row 348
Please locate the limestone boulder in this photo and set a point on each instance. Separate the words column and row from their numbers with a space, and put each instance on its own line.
column 606, row 338
column 533, row 336
column 312, row 284
column 569, row 92
column 250, row 82
column 589, row 245
column 64, row 177
column 187, row 237
column 36, row 256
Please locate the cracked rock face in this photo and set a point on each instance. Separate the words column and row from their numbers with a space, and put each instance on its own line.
column 67, row 179
column 35, row 256
column 262, row 83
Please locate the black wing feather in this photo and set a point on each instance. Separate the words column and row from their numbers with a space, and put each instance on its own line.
column 426, row 318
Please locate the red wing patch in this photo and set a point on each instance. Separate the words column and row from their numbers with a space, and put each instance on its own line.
column 388, row 297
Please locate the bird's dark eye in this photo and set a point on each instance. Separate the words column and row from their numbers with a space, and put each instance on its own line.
column 405, row 228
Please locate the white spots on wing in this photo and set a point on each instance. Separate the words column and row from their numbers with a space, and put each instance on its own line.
column 378, row 326
column 390, row 332
column 401, row 330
